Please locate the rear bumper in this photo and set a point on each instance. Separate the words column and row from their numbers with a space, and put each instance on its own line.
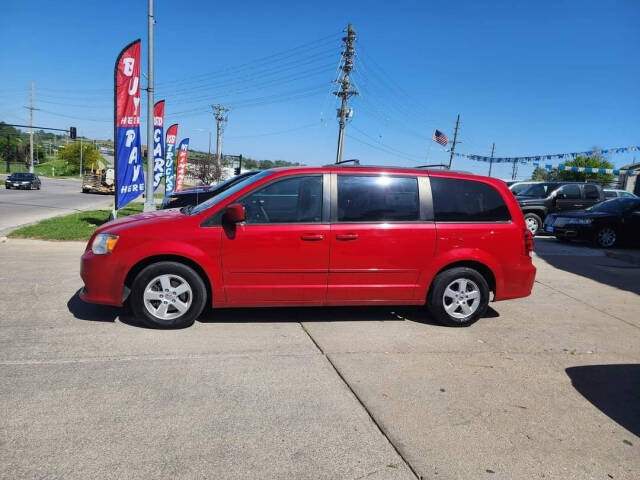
column 518, row 281
column 103, row 279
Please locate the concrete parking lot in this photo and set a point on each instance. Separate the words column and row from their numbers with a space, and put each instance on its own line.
column 543, row 387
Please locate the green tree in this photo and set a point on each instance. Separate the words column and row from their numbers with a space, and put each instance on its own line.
column 71, row 155
column 540, row 174
column 594, row 161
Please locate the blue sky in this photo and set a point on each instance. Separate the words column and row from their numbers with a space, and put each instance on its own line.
column 533, row 77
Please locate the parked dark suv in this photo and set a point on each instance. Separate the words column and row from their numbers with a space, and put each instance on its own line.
column 26, row 181
column 198, row 195
column 543, row 198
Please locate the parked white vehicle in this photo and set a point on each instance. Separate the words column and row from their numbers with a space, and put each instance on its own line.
column 618, row 193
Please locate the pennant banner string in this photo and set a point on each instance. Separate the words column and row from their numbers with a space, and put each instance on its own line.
column 541, row 158
column 613, row 171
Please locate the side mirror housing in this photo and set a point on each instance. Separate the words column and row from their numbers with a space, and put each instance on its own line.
column 234, row 213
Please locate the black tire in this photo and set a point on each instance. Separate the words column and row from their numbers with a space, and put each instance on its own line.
column 436, row 302
column 185, row 273
column 605, row 237
column 530, row 219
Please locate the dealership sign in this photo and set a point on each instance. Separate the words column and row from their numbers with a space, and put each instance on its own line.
column 169, row 172
column 158, row 143
column 128, row 154
column 181, row 167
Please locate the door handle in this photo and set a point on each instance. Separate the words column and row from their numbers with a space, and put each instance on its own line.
column 312, row 237
column 345, row 237
column 577, row 205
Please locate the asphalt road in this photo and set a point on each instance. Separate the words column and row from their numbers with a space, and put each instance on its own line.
column 57, row 197
column 543, row 387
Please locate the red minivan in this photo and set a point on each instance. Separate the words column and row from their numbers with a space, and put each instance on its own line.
column 332, row 235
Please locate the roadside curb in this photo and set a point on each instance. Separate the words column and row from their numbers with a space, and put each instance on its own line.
column 625, row 257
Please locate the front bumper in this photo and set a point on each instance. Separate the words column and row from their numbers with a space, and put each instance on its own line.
column 573, row 232
column 103, row 279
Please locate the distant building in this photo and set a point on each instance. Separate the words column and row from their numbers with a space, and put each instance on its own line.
column 630, row 181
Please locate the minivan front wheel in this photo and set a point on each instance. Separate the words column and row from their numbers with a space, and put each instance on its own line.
column 458, row 297
column 168, row 295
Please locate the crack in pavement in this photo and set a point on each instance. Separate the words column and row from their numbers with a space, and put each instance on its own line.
column 362, row 404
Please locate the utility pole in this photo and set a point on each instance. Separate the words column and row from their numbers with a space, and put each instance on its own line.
column 493, row 149
column 80, row 157
column 31, row 109
column 515, row 170
column 149, row 204
column 220, row 114
column 345, row 87
column 455, row 141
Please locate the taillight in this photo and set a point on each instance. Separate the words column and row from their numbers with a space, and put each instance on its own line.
column 528, row 242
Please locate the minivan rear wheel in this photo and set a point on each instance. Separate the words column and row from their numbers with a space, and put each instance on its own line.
column 168, row 295
column 458, row 297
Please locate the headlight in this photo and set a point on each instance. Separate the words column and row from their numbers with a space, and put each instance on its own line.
column 581, row 221
column 104, row 243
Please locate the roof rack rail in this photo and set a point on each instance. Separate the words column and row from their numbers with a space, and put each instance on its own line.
column 435, row 165
column 355, row 161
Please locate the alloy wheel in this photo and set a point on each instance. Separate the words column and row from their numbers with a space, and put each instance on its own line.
column 606, row 237
column 461, row 298
column 532, row 225
column 167, row 297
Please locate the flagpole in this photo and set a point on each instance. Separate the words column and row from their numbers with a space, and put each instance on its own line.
column 149, row 205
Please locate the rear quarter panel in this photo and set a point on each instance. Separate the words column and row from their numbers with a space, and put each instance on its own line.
column 499, row 246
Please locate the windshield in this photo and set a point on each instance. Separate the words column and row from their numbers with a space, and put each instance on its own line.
column 518, row 188
column 227, row 193
column 617, row 205
column 21, row 176
column 539, row 190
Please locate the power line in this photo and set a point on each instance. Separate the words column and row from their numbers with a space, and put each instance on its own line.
column 302, row 127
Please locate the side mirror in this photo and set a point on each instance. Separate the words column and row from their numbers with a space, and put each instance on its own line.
column 561, row 196
column 234, row 213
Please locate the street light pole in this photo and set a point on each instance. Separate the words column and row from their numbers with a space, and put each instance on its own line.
column 149, row 204
column 80, row 157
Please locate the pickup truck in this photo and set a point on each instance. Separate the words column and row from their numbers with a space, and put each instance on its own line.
column 541, row 199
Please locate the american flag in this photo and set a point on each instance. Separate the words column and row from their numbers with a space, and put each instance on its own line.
column 440, row 138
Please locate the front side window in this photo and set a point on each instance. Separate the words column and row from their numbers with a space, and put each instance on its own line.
column 377, row 198
column 570, row 192
column 291, row 200
column 456, row 200
column 610, row 194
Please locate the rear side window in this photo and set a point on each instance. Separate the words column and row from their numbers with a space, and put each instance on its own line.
column 609, row 195
column 571, row 191
column 457, row 200
column 591, row 192
column 377, row 198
